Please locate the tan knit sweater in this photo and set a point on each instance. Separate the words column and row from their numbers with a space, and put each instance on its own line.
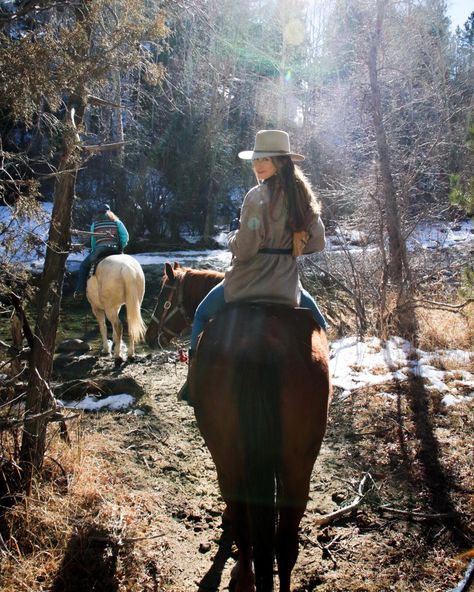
column 261, row 277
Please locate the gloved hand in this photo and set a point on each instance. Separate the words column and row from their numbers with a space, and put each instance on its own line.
column 235, row 224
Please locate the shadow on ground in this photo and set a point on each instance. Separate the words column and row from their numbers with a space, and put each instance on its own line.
column 90, row 563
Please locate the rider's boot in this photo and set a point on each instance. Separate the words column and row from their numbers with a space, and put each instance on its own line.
column 183, row 393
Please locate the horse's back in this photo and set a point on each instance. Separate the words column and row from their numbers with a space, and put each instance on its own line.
column 118, row 262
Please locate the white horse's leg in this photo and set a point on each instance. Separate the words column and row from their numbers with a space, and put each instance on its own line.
column 100, row 316
column 131, row 348
column 117, row 330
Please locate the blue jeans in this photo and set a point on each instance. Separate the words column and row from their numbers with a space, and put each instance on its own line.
column 86, row 264
column 214, row 302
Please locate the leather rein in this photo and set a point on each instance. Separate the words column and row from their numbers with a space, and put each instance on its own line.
column 176, row 292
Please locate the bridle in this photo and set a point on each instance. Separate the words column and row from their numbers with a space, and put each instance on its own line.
column 176, row 292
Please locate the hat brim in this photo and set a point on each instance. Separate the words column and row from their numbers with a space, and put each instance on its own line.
column 251, row 155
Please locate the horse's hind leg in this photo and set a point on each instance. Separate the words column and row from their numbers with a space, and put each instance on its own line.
column 100, row 316
column 117, row 328
column 131, row 349
column 242, row 577
column 287, row 543
column 292, row 500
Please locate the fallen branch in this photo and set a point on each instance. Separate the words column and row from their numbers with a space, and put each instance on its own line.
column 76, row 232
column 413, row 514
column 11, row 424
column 328, row 518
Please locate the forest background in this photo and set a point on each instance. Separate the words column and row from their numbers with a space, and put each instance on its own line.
column 377, row 95
column 145, row 104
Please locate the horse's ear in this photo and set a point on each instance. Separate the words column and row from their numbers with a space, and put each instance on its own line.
column 176, row 265
column 169, row 271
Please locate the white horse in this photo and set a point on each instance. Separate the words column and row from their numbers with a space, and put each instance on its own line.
column 118, row 280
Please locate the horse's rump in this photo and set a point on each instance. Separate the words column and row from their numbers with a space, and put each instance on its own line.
column 285, row 339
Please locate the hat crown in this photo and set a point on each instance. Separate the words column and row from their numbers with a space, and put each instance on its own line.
column 272, row 141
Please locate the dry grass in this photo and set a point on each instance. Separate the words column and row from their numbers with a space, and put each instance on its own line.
column 441, row 329
column 82, row 512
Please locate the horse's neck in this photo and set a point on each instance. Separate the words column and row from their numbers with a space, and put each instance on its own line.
column 198, row 286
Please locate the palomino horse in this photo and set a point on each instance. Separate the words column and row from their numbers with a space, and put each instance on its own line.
column 118, row 280
column 260, row 388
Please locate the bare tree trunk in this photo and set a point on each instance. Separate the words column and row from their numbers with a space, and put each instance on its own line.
column 398, row 263
column 39, row 399
column 389, row 195
column 123, row 205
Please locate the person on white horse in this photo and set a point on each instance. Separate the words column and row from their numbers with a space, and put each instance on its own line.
column 108, row 237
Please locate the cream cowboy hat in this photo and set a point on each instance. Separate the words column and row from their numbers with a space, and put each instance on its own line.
column 270, row 143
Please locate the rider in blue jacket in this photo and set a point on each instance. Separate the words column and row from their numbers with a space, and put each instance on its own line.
column 109, row 237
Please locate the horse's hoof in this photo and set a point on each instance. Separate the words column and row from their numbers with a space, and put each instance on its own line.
column 241, row 582
column 118, row 362
column 131, row 359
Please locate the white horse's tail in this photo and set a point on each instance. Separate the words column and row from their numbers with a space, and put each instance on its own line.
column 134, row 290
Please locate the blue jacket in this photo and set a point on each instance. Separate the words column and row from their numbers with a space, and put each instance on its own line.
column 114, row 231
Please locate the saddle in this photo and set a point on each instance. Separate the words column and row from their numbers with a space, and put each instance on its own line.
column 248, row 322
column 103, row 255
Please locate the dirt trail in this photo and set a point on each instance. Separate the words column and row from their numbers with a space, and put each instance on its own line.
column 160, row 459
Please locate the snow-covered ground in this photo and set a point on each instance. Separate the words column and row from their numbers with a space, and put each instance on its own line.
column 356, row 364
column 359, row 364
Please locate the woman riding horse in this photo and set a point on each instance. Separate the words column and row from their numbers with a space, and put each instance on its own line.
column 259, row 380
column 108, row 237
column 260, row 390
column 279, row 221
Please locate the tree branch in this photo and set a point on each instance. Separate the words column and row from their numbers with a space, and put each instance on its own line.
column 105, row 147
column 327, row 518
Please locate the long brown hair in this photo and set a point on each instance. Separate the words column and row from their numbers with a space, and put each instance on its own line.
column 301, row 200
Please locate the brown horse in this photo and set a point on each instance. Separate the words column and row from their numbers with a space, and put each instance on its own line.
column 260, row 389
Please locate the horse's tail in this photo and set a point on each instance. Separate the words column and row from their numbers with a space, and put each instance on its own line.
column 258, row 384
column 134, row 289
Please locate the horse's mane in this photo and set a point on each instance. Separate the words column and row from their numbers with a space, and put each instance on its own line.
column 203, row 274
